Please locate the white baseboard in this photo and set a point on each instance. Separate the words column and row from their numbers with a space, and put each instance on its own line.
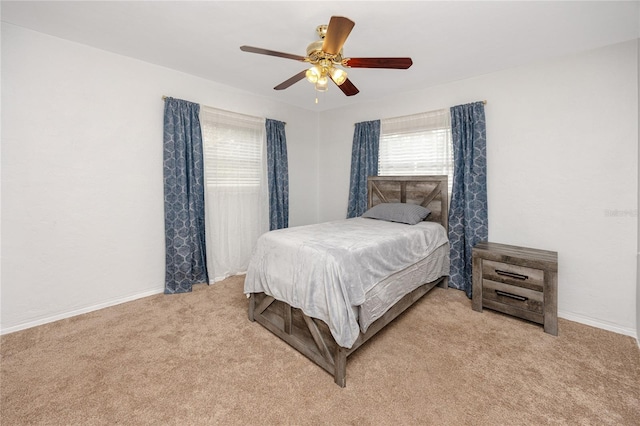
column 80, row 311
column 599, row 324
column 566, row 315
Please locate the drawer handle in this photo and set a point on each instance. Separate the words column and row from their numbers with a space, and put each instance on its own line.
column 512, row 296
column 512, row 275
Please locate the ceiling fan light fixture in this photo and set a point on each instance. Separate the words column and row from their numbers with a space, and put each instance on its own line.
column 338, row 76
column 322, row 85
column 313, row 74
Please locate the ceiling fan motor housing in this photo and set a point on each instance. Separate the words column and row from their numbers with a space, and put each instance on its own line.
column 316, row 54
column 314, row 48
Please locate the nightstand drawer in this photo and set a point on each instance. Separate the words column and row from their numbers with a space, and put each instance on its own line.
column 509, row 295
column 516, row 275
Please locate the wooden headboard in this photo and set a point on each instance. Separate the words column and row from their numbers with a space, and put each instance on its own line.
column 428, row 191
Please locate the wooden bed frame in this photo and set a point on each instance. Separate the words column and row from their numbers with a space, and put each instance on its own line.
column 311, row 336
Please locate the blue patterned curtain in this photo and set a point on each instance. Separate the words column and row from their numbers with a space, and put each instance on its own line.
column 468, row 222
column 277, row 174
column 364, row 163
column 183, row 197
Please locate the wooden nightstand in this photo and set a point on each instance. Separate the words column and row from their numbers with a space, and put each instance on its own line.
column 518, row 281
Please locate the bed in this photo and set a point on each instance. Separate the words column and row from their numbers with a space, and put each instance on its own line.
column 327, row 288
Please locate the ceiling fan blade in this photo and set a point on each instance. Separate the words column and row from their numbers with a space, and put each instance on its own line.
column 261, row 51
column 337, row 32
column 395, row 63
column 348, row 88
column 290, row 82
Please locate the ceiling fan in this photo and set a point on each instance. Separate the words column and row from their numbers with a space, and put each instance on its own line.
column 327, row 59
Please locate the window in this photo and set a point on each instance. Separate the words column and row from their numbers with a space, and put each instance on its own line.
column 233, row 145
column 418, row 144
column 236, row 195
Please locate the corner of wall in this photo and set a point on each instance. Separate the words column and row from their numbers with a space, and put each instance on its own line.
column 638, row 173
column 318, row 161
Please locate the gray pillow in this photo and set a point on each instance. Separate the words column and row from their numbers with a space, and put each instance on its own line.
column 398, row 212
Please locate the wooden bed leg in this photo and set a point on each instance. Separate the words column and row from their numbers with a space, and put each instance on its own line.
column 340, row 365
column 287, row 319
column 252, row 306
column 444, row 283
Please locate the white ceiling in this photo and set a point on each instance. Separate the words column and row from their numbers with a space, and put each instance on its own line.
column 447, row 40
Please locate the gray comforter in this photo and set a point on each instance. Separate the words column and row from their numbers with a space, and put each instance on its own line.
column 326, row 269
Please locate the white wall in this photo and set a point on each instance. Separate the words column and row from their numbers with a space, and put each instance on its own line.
column 562, row 146
column 82, row 206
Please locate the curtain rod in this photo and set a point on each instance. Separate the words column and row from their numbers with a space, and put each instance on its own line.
column 484, row 102
column 164, row 97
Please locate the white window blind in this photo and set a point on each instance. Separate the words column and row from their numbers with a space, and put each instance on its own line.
column 418, row 144
column 233, row 148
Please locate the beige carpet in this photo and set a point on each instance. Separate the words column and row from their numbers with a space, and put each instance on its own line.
column 195, row 359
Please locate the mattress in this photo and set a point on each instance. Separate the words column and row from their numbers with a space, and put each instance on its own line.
column 327, row 269
column 389, row 291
